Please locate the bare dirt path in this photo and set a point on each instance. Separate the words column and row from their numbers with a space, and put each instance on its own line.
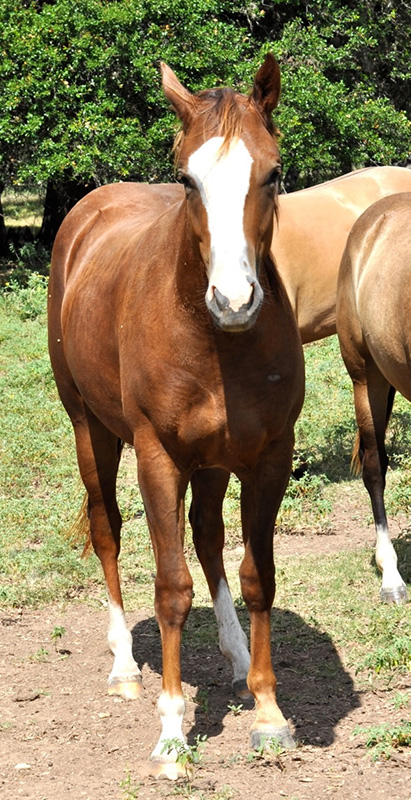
column 62, row 737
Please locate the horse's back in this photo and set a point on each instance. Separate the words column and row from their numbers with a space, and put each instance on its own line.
column 311, row 235
column 374, row 291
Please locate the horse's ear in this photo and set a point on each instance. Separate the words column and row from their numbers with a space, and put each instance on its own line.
column 180, row 98
column 267, row 86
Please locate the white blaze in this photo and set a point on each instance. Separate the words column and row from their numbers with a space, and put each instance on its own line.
column 223, row 182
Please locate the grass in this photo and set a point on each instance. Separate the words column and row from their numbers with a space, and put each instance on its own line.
column 382, row 740
column 22, row 208
column 330, row 601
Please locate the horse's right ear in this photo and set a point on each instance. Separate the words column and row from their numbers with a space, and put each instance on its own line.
column 267, row 86
column 180, row 98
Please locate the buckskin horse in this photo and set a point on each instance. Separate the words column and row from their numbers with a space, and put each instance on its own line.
column 169, row 329
column 373, row 323
column 309, row 239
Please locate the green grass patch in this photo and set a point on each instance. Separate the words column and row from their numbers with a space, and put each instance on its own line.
column 39, row 484
column 332, row 599
column 21, row 208
column 382, row 740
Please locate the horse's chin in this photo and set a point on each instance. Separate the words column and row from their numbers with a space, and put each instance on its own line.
column 235, row 321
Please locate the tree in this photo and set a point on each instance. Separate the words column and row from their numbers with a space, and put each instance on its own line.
column 332, row 123
column 82, row 101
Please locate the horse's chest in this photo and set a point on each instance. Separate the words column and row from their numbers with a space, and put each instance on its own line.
column 204, row 420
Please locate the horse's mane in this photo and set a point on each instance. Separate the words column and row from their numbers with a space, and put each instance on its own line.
column 275, row 284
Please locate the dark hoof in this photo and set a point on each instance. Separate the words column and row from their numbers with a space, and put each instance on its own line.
column 281, row 735
column 397, row 595
column 241, row 690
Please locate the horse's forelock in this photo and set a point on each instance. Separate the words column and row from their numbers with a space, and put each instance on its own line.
column 221, row 113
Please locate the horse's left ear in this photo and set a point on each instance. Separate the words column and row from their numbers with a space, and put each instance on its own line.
column 180, row 98
column 267, row 86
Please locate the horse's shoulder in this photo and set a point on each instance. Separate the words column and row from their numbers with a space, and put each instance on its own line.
column 134, row 196
column 119, row 206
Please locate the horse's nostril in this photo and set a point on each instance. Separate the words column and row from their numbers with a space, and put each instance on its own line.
column 251, row 300
column 221, row 300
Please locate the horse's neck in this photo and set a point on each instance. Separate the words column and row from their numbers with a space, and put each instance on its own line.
column 191, row 273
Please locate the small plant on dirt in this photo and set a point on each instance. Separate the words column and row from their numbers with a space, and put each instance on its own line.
column 56, row 634
column 383, row 739
column 188, row 756
column 235, row 709
column 396, row 655
column 201, row 699
column 400, row 700
column 40, row 655
column 130, row 789
column 225, row 793
column 268, row 747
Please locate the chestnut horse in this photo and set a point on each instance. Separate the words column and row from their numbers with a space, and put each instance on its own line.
column 169, row 328
column 309, row 239
column 373, row 323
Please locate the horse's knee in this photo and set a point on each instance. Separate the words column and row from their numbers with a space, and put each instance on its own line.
column 258, row 593
column 173, row 599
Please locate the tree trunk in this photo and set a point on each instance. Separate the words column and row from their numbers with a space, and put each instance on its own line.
column 2, row 224
column 60, row 198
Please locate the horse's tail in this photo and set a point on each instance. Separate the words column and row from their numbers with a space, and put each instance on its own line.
column 356, row 461
column 80, row 529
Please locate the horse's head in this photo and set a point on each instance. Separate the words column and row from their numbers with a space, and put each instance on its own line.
column 229, row 163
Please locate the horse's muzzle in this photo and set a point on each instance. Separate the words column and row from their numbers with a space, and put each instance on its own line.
column 235, row 321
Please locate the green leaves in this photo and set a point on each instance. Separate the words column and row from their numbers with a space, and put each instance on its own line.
column 82, row 84
column 81, row 91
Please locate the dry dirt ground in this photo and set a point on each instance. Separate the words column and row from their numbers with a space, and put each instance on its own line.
column 62, row 737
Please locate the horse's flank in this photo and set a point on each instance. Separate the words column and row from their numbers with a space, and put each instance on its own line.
column 310, row 237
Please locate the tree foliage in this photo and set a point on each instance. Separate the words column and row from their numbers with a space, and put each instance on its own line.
column 83, row 87
column 81, row 93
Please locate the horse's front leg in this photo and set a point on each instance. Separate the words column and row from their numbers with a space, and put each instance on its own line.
column 261, row 495
column 208, row 489
column 163, row 488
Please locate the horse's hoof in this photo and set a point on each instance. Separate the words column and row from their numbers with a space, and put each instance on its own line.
column 241, row 689
column 171, row 770
column 281, row 735
column 130, row 689
column 397, row 595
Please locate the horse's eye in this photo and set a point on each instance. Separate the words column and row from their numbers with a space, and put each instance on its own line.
column 186, row 182
column 273, row 178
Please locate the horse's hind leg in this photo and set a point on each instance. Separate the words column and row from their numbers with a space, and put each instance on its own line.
column 98, row 453
column 208, row 490
column 373, row 401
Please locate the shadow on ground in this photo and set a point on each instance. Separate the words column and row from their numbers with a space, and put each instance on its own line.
column 314, row 690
